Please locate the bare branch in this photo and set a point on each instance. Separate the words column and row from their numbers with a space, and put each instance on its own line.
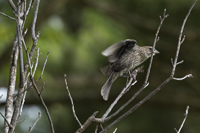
column 128, row 86
column 127, row 103
column 74, row 113
column 154, row 44
column 29, row 6
column 35, row 39
column 115, row 130
column 21, row 120
column 12, row 6
column 36, row 62
column 87, row 123
column 34, row 20
column 180, row 40
column 45, row 62
column 8, row 16
column 186, row 114
column 186, row 76
column 43, row 103
column 34, row 124
column 22, row 104
column 179, row 62
column 36, row 88
column 135, row 106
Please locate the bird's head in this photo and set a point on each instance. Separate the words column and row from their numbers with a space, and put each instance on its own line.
column 148, row 51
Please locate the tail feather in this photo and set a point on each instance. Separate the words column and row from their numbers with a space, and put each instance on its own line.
column 105, row 90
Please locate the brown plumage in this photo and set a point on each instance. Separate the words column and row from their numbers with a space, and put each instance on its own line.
column 123, row 57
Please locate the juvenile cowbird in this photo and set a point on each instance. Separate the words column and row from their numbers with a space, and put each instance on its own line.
column 123, row 58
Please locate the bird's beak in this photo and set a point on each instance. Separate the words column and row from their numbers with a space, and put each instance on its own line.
column 156, row 52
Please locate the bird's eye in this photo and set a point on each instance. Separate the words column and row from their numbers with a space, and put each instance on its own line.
column 150, row 49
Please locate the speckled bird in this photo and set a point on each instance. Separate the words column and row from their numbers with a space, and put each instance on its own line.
column 123, row 57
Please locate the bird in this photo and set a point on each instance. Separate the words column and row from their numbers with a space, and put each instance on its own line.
column 123, row 57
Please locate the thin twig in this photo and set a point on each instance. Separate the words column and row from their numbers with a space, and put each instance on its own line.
column 7, row 16
column 29, row 7
column 24, row 96
column 40, row 96
column 180, row 62
column 34, row 124
column 186, row 76
column 36, row 61
column 154, row 44
column 43, row 103
column 35, row 39
column 34, row 20
column 115, row 130
column 186, row 114
column 6, row 120
column 74, row 113
column 19, row 121
column 127, row 103
column 29, row 63
column 29, row 57
column 22, row 104
column 45, row 62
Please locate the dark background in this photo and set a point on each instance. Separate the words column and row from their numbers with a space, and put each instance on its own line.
column 76, row 31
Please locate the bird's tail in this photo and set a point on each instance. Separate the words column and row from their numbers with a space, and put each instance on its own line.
column 105, row 90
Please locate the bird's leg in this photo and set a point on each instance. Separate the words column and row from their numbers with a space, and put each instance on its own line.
column 133, row 74
column 127, row 78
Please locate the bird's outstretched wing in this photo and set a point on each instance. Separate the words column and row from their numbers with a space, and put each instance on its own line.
column 116, row 50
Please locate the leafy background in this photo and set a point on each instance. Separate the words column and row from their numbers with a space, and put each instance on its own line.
column 76, row 31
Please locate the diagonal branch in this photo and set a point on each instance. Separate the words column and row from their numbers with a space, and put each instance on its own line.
column 74, row 113
column 34, row 124
column 6, row 120
column 154, row 44
column 186, row 114
column 7, row 16
column 13, row 6
column 180, row 40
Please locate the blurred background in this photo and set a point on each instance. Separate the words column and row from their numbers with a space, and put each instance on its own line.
column 76, row 31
